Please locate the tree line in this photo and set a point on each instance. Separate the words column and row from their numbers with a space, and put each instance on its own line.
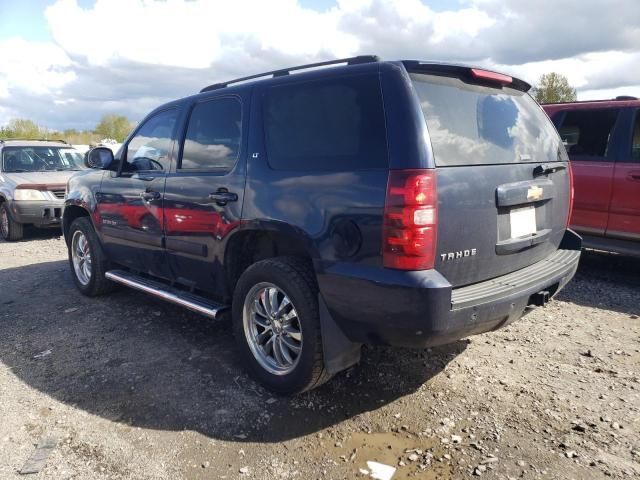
column 112, row 126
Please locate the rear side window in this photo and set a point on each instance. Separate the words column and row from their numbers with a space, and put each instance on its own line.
column 587, row 132
column 335, row 124
column 476, row 125
column 213, row 135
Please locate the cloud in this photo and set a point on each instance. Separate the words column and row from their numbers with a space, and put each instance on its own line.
column 554, row 29
column 410, row 29
column 37, row 67
column 128, row 56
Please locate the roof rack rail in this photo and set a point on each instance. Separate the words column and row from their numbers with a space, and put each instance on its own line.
column 626, row 97
column 59, row 140
column 286, row 71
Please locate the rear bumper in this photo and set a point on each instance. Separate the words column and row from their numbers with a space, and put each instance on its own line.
column 419, row 309
column 40, row 213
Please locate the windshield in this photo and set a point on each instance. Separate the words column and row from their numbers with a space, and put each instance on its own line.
column 41, row 159
column 476, row 125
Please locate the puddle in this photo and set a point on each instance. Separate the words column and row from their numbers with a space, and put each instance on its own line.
column 389, row 449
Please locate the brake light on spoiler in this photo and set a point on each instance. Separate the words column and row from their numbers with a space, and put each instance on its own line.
column 488, row 76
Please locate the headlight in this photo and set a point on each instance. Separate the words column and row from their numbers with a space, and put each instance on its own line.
column 28, row 194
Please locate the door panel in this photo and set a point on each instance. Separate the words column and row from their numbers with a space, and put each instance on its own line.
column 624, row 216
column 204, row 193
column 130, row 201
column 592, row 185
column 132, row 226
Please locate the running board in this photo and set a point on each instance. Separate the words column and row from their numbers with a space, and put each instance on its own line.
column 192, row 302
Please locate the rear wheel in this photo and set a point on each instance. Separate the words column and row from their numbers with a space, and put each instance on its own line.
column 277, row 326
column 87, row 259
column 10, row 230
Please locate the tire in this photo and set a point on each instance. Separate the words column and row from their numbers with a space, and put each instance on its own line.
column 91, row 282
column 10, row 230
column 292, row 279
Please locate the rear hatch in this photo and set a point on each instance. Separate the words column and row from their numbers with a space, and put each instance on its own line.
column 503, row 177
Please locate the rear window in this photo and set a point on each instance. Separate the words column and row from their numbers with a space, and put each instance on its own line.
column 335, row 124
column 477, row 125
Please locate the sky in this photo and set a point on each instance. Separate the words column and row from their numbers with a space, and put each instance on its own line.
column 66, row 63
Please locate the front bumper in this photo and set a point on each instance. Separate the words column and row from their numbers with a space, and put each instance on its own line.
column 39, row 212
column 419, row 309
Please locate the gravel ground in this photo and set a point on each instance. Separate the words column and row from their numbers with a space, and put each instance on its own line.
column 131, row 387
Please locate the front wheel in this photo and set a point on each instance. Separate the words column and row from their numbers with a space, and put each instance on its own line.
column 276, row 325
column 87, row 259
column 10, row 230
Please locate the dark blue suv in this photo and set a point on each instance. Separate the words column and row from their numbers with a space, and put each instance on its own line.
column 332, row 205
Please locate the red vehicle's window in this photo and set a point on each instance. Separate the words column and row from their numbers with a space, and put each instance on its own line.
column 586, row 133
column 635, row 143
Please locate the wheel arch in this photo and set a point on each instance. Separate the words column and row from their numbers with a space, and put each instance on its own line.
column 257, row 241
column 71, row 212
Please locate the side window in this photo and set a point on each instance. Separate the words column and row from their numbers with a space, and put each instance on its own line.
column 587, row 132
column 335, row 124
column 635, row 139
column 149, row 148
column 213, row 135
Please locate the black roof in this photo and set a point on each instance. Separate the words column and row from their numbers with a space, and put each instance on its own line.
column 438, row 68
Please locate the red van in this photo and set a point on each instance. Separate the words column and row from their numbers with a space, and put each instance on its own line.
column 603, row 141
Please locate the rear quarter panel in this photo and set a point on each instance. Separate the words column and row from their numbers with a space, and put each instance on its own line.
column 338, row 214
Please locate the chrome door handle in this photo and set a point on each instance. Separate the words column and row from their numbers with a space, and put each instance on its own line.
column 222, row 197
column 545, row 169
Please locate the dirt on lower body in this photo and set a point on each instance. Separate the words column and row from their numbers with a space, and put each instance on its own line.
column 131, row 387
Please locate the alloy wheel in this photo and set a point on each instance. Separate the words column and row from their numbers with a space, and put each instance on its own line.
column 272, row 328
column 81, row 257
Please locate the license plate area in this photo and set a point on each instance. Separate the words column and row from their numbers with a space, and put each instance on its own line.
column 522, row 221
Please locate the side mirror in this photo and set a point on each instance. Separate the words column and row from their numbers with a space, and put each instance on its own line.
column 99, row 158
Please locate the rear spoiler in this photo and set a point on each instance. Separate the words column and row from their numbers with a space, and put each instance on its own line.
column 467, row 73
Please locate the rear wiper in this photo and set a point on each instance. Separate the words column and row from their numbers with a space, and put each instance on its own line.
column 544, row 169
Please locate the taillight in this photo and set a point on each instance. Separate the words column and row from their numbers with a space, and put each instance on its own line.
column 571, row 194
column 410, row 220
